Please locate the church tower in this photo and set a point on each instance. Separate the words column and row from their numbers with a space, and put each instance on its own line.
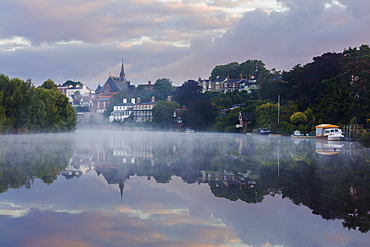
column 122, row 75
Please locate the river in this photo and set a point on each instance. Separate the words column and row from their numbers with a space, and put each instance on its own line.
column 132, row 188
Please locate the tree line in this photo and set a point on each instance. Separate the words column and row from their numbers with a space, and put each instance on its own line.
column 26, row 108
column 333, row 88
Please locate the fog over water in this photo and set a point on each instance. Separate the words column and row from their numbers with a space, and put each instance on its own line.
column 140, row 188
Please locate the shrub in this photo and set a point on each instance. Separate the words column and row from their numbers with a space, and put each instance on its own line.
column 365, row 139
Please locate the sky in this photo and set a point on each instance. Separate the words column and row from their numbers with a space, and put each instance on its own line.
column 86, row 40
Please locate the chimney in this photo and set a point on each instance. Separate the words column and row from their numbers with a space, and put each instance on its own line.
column 184, row 107
column 138, row 100
column 153, row 99
column 149, row 82
column 124, row 100
column 168, row 98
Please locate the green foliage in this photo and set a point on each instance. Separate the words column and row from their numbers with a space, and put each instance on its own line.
column 298, row 118
column 200, row 115
column 74, row 84
column 266, row 115
column 162, row 89
column 42, row 109
column 337, row 105
column 49, row 84
column 143, row 93
column 234, row 70
column 188, row 92
column 287, row 128
column 227, row 123
column 81, row 108
column 163, row 114
column 365, row 139
column 50, row 111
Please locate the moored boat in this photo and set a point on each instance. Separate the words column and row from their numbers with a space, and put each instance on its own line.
column 329, row 132
column 298, row 134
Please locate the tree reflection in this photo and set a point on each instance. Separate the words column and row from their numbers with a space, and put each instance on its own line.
column 235, row 167
column 23, row 159
column 249, row 168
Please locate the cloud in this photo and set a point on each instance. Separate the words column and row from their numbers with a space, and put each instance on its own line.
column 180, row 40
column 281, row 39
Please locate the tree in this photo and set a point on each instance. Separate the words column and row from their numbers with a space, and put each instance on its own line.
column 16, row 95
column 4, row 121
column 74, row 84
column 162, row 89
column 230, row 69
column 266, row 115
column 42, row 109
column 252, row 68
column 298, row 118
column 163, row 114
column 49, row 84
column 228, row 122
column 51, row 111
column 143, row 93
column 190, row 91
column 337, row 105
column 200, row 115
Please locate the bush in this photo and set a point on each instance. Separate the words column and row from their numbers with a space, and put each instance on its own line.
column 365, row 139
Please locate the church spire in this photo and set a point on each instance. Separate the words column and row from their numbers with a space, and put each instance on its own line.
column 122, row 75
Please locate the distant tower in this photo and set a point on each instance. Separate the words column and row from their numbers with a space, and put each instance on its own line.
column 122, row 75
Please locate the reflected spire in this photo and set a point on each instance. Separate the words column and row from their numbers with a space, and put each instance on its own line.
column 121, row 187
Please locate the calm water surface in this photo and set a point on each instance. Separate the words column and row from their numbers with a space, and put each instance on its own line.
column 127, row 188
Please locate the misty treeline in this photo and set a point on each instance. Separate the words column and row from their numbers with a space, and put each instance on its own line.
column 333, row 88
column 25, row 108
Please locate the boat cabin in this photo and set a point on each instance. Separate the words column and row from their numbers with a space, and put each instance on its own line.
column 329, row 131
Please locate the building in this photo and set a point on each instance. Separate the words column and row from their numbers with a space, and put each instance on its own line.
column 244, row 119
column 178, row 118
column 112, row 86
column 225, row 84
column 142, row 111
column 122, row 111
column 77, row 91
column 212, row 85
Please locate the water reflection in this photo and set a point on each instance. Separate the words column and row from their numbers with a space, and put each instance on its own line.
column 215, row 189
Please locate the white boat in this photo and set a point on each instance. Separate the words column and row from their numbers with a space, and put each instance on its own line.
column 334, row 134
column 298, row 134
column 330, row 132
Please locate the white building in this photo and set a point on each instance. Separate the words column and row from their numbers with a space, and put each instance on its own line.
column 121, row 111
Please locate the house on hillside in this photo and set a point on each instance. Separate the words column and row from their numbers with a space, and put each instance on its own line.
column 142, row 111
column 212, row 85
column 248, row 85
column 121, row 111
column 244, row 119
column 231, row 85
column 178, row 118
column 102, row 104
column 225, row 84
